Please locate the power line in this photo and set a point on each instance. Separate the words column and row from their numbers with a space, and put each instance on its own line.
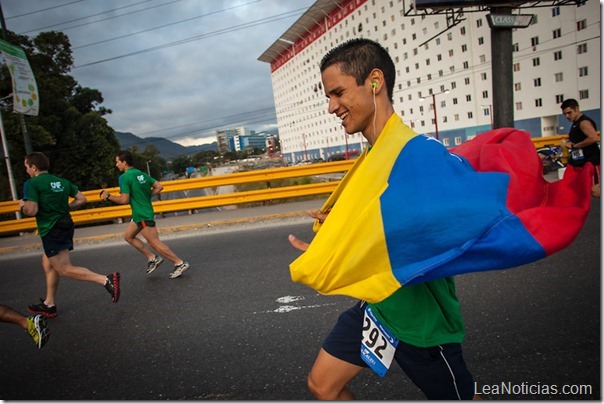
column 203, row 36
column 166, row 25
column 43, row 10
column 94, row 15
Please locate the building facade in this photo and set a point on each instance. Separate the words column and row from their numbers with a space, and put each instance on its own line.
column 224, row 138
column 443, row 77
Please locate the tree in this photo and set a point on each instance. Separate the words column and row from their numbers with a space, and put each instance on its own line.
column 69, row 129
column 180, row 164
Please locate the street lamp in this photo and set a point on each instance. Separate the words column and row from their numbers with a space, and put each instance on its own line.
column 304, row 140
column 490, row 108
column 327, row 154
column 434, row 106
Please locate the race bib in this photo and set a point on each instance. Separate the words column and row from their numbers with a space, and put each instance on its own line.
column 577, row 154
column 378, row 345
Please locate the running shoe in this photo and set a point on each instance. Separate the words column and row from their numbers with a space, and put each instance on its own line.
column 113, row 286
column 179, row 269
column 43, row 309
column 37, row 328
column 154, row 263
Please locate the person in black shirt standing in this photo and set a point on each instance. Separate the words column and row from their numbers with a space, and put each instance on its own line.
column 582, row 138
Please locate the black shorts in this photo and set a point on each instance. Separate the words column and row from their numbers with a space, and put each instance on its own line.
column 59, row 238
column 145, row 223
column 439, row 371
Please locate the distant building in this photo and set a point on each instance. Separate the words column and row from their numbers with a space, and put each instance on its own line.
column 239, row 143
column 556, row 57
column 224, row 138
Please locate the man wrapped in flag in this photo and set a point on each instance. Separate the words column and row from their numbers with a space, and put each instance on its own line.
column 407, row 217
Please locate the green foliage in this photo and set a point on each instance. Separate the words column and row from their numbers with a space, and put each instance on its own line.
column 179, row 164
column 69, row 129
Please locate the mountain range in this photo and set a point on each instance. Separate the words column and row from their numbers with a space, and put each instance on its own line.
column 167, row 149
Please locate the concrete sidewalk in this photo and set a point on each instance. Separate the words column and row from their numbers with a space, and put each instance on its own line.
column 174, row 225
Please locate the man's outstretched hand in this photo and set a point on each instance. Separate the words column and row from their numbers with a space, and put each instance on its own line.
column 297, row 243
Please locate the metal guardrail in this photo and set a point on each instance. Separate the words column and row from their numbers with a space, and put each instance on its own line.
column 118, row 211
column 83, row 216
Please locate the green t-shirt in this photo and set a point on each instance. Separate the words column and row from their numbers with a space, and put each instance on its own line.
column 51, row 193
column 138, row 185
column 423, row 315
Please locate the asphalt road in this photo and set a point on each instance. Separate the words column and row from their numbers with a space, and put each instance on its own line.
column 236, row 327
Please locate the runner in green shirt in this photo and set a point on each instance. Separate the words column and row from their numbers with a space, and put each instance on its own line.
column 419, row 326
column 137, row 188
column 46, row 197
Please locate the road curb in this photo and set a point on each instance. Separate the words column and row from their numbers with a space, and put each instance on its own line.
column 79, row 241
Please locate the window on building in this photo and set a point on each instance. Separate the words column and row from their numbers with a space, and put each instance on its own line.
column 557, row 33
column 560, row 98
column 450, row 52
column 535, row 41
column 485, row 94
column 479, row 23
column 537, row 82
column 453, row 85
column 482, row 58
column 516, row 67
column 439, row 57
column 583, row 94
column 440, row 73
column 483, row 76
column 456, row 117
column 469, row 97
column 458, row 138
column 466, row 81
column 449, row 36
column 454, row 101
column 517, row 87
column 558, row 77
column 583, row 71
column 446, row 142
column 558, row 55
column 536, row 61
column 481, row 41
column 515, row 47
column 538, row 102
column 582, row 48
column 581, row 25
column 464, row 48
column 462, row 30
column 466, row 65
column 556, row 11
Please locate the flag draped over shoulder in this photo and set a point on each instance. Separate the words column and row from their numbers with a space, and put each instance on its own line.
column 411, row 211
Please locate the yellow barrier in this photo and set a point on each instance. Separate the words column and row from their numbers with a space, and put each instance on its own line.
column 165, row 206
column 117, row 211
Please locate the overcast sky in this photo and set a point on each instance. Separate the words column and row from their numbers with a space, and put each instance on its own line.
column 178, row 69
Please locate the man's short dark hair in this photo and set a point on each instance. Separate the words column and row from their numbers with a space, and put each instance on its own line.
column 39, row 160
column 357, row 57
column 569, row 103
column 126, row 156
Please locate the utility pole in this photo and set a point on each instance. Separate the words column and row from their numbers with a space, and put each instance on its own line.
column 501, row 73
